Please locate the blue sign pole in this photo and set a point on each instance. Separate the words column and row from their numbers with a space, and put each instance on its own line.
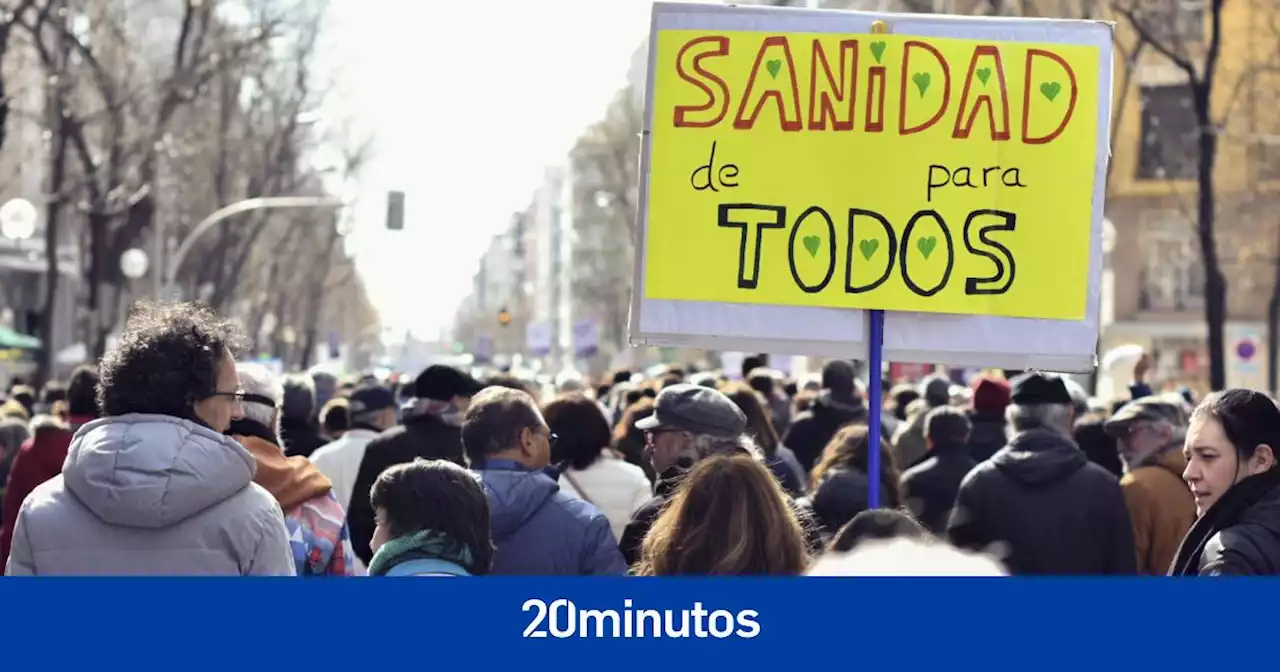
column 875, row 395
column 875, row 348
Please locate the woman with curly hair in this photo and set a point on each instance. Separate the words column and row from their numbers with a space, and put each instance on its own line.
column 153, row 487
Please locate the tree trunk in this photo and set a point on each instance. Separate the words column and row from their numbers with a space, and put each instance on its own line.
column 99, row 230
column 53, row 212
column 1273, row 320
column 1215, row 290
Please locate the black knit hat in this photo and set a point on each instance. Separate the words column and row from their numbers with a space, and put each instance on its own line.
column 443, row 383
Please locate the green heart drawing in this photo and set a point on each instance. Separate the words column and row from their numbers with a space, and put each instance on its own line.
column 922, row 81
column 774, row 66
column 868, row 247
column 812, row 243
column 984, row 74
column 926, row 245
column 1050, row 90
column 877, row 50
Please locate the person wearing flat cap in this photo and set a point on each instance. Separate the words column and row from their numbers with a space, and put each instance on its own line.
column 689, row 423
column 1150, row 432
column 1038, row 502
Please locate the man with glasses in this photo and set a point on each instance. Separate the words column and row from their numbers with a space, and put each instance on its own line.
column 689, row 423
column 153, row 487
column 537, row 530
column 1149, row 433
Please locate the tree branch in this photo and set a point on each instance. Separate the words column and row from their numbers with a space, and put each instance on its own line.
column 1146, row 36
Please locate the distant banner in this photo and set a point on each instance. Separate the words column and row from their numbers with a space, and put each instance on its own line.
column 586, row 338
column 872, row 171
column 538, row 338
column 483, row 350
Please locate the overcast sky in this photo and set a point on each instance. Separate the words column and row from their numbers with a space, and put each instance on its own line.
column 468, row 102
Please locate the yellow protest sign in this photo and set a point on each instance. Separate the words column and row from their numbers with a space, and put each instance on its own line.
column 872, row 171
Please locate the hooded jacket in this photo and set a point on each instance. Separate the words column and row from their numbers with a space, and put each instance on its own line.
column 538, row 530
column 151, row 495
column 1046, row 508
column 812, row 430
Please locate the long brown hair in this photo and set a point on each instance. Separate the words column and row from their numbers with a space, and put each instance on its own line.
column 759, row 426
column 848, row 450
column 728, row 517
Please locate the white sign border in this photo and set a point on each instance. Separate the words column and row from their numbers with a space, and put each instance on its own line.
column 962, row 340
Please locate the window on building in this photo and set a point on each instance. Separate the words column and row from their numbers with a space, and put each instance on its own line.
column 1172, row 277
column 1176, row 24
column 1169, row 128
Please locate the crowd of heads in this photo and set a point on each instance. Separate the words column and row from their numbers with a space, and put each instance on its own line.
column 758, row 472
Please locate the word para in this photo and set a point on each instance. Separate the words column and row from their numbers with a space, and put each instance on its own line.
column 753, row 220
column 941, row 176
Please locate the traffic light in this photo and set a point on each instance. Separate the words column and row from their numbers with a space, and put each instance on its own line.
column 395, row 211
column 504, row 317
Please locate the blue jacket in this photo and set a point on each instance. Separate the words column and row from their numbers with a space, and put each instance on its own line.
column 541, row 531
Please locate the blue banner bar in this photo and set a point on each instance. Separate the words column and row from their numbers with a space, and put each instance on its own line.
column 621, row 624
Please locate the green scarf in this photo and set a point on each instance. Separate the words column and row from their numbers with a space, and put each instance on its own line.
column 421, row 544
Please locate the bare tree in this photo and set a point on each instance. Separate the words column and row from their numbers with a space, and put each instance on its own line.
column 126, row 100
column 605, row 164
column 10, row 13
column 1201, row 68
column 252, row 143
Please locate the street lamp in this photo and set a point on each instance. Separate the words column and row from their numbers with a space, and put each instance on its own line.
column 171, row 262
column 134, row 263
column 18, row 219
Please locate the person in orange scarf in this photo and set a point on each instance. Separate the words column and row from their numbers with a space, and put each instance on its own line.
column 316, row 521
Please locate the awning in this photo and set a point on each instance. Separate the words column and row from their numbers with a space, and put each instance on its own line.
column 13, row 340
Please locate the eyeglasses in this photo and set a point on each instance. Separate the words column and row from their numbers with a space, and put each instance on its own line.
column 552, row 437
column 237, row 396
column 651, row 435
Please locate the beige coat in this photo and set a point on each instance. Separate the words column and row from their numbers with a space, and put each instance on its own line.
column 1162, row 510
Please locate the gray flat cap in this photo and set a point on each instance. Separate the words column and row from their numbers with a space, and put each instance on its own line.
column 695, row 409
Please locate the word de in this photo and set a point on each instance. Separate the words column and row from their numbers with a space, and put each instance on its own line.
column 727, row 172
column 754, row 221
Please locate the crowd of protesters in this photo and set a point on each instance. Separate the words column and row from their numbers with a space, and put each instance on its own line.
column 169, row 457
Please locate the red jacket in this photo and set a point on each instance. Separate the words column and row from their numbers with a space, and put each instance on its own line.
column 39, row 460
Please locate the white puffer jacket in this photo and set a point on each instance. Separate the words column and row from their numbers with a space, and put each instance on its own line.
column 613, row 485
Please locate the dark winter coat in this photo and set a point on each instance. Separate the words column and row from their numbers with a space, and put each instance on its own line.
column 812, row 430
column 1047, row 510
column 988, row 435
column 424, row 436
column 931, row 486
column 1239, row 535
column 301, row 438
